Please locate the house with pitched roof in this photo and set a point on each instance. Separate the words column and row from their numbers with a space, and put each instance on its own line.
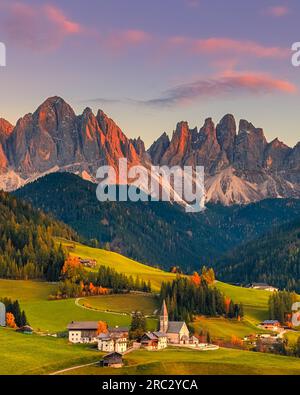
column 112, row 341
column 177, row 331
column 154, row 341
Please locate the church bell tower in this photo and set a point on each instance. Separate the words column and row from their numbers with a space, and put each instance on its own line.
column 164, row 319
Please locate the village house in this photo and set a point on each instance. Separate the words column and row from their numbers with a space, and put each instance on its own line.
column 262, row 286
column 154, row 341
column 194, row 340
column 87, row 332
column 91, row 263
column 115, row 341
column 83, row 331
column 177, row 331
column 120, row 330
column 271, row 325
column 112, row 360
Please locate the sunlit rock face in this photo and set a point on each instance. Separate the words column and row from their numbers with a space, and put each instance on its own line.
column 241, row 166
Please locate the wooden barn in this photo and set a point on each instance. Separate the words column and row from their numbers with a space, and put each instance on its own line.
column 112, row 360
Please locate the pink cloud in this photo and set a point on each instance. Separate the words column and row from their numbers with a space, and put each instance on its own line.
column 219, row 45
column 58, row 18
column 227, row 83
column 40, row 28
column 259, row 82
column 277, row 11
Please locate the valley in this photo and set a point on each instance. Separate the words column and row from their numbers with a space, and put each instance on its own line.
column 55, row 354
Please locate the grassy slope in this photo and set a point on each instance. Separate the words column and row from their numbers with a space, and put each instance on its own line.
column 183, row 361
column 32, row 354
column 54, row 316
column 121, row 264
column 122, row 303
column 255, row 301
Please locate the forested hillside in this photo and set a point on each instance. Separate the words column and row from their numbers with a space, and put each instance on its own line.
column 27, row 248
column 274, row 258
column 156, row 233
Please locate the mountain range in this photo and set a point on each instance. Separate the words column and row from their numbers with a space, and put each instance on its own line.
column 241, row 166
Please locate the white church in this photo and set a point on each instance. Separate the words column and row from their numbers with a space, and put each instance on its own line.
column 177, row 331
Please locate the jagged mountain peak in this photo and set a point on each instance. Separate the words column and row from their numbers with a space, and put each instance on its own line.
column 6, row 128
column 240, row 165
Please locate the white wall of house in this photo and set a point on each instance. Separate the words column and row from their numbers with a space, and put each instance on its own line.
column 111, row 345
column 162, row 343
column 121, row 346
column 106, row 345
column 75, row 336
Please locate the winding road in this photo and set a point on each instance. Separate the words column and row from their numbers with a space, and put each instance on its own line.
column 97, row 310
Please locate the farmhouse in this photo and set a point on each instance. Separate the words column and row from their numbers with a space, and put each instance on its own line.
column 121, row 330
column 154, row 341
column 83, row 332
column 262, row 286
column 177, row 331
column 271, row 325
column 91, row 263
column 112, row 360
column 114, row 341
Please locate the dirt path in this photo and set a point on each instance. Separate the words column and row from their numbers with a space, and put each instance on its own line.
column 97, row 310
column 73, row 368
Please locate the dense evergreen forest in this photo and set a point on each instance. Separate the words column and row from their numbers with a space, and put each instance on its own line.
column 27, row 248
column 186, row 298
column 274, row 259
column 280, row 306
column 18, row 317
column 137, row 229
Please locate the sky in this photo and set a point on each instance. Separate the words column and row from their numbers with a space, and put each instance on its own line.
column 151, row 64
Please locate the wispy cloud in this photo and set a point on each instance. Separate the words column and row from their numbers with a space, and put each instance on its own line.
column 277, row 11
column 40, row 28
column 228, row 83
column 221, row 45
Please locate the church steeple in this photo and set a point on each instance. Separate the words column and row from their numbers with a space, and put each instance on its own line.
column 164, row 318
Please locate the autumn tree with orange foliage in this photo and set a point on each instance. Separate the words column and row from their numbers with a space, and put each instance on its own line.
column 227, row 304
column 72, row 269
column 102, row 327
column 10, row 320
column 208, row 275
column 196, row 279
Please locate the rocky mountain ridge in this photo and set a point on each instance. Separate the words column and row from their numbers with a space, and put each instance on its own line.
column 240, row 165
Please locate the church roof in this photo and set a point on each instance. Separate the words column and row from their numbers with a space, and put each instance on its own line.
column 164, row 311
column 175, row 326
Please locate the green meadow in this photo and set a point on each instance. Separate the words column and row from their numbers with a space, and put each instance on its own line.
column 122, row 303
column 183, row 361
column 33, row 354
column 54, row 315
